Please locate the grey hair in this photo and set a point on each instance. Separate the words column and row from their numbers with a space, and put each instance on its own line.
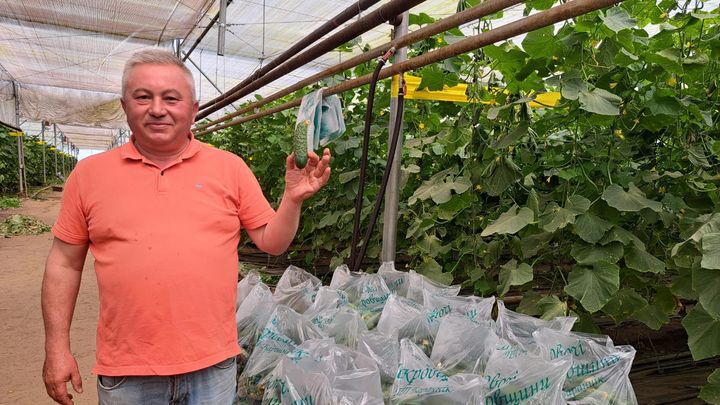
column 159, row 57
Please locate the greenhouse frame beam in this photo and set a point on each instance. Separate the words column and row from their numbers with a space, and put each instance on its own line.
column 543, row 19
column 483, row 9
column 290, row 60
column 187, row 58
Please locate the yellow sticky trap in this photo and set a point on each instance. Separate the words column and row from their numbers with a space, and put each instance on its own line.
column 458, row 94
column 15, row 133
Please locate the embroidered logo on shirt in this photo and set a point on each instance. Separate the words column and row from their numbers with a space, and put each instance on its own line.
column 198, row 186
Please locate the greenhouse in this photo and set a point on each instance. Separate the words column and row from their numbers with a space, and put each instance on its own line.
column 360, row 202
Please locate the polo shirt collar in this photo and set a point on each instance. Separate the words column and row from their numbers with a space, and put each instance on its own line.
column 129, row 151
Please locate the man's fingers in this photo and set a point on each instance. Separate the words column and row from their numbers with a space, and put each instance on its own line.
column 290, row 161
column 58, row 392
column 76, row 382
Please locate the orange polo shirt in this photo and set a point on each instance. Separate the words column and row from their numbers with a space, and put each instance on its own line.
column 165, row 248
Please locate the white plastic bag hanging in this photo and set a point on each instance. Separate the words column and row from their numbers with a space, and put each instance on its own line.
column 397, row 281
column 600, row 370
column 327, row 298
column 344, row 325
column 368, row 295
column 341, row 276
column 245, row 286
column 296, row 289
column 475, row 308
column 251, row 317
column 516, row 376
column 518, row 328
column 463, row 345
column 384, row 350
column 417, row 381
column 418, row 284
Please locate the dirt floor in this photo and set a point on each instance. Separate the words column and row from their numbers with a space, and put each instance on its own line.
column 22, row 261
column 663, row 371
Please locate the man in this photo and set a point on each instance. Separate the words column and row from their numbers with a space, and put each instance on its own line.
column 162, row 216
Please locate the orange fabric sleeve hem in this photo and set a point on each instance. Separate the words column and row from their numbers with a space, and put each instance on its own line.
column 68, row 237
column 259, row 221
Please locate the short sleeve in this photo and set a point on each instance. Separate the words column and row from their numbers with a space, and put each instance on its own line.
column 254, row 210
column 71, row 225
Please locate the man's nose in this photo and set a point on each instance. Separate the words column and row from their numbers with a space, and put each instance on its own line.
column 156, row 107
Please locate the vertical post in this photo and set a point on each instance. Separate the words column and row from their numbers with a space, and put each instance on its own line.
column 42, row 135
column 176, row 46
column 62, row 155
column 20, row 147
column 55, row 146
column 221, row 28
column 392, row 194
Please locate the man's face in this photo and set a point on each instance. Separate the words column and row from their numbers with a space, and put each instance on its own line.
column 159, row 107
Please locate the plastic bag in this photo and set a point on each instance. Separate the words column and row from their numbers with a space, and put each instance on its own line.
column 404, row 318
column 283, row 332
column 344, row 325
column 418, row 381
column 475, row 308
column 296, row 289
column 321, row 372
column 418, row 284
column 599, row 371
column 327, row 298
column 518, row 328
column 397, row 281
column 384, row 350
column 245, row 286
column 251, row 317
column 463, row 345
column 341, row 276
column 516, row 376
column 368, row 294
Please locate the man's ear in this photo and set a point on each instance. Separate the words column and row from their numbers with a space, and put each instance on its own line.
column 196, row 108
column 122, row 103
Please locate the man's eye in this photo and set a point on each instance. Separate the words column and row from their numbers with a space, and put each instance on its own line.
column 171, row 99
column 142, row 97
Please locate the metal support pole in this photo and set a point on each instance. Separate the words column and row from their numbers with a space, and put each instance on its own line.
column 206, row 78
column 62, row 142
column 221, row 28
column 176, row 43
column 55, row 146
column 20, row 147
column 42, row 135
column 392, row 195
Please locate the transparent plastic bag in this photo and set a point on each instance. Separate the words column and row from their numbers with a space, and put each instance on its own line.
column 327, row 298
column 516, row 376
column 518, row 328
column 341, row 275
column 418, row 284
column 475, row 308
column 600, row 370
column 384, row 350
column 245, row 286
column 368, row 294
column 463, row 345
column 344, row 325
column 296, row 289
column 251, row 317
column 397, row 281
column 321, row 372
column 417, row 381
column 404, row 318
column 283, row 332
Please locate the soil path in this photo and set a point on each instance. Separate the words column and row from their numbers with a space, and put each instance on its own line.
column 22, row 261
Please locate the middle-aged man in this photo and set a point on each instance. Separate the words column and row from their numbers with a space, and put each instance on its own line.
column 162, row 216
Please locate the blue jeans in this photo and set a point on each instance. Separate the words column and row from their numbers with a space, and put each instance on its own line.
column 215, row 385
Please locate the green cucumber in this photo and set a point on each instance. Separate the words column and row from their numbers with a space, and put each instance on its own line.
column 300, row 144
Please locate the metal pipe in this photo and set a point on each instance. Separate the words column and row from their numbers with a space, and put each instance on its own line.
column 265, row 75
column 392, row 195
column 202, row 35
column 208, row 79
column 21, row 155
column 42, row 135
column 483, row 9
column 55, row 146
column 222, row 24
column 545, row 18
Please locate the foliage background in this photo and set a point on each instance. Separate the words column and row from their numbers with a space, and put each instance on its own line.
column 604, row 204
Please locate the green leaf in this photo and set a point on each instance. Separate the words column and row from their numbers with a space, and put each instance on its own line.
column 711, row 251
column 499, row 175
column 632, row 200
column 589, row 254
column 512, row 137
column 572, row 85
column 624, row 304
column 594, row 287
column 696, row 155
column 578, row 204
column 440, row 186
column 347, row 176
column 710, row 393
column 431, row 269
column 513, row 274
column 540, row 43
column 556, row 217
column 619, row 234
column 420, row 19
column 652, row 315
column 706, row 283
column 642, row 261
column 529, row 303
column 600, row 101
column 433, row 79
column 703, row 333
column 708, row 224
column 510, row 222
column 617, row 19
column 531, row 245
column 682, row 286
column 663, row 105
column 591, row 228
column 551, row 307
column 433, row 246
column 533, row 202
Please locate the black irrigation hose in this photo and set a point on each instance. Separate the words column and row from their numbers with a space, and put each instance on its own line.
column 385, row 179
column 364, row 158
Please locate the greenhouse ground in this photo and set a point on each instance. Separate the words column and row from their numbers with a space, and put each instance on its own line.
column 663, row 372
